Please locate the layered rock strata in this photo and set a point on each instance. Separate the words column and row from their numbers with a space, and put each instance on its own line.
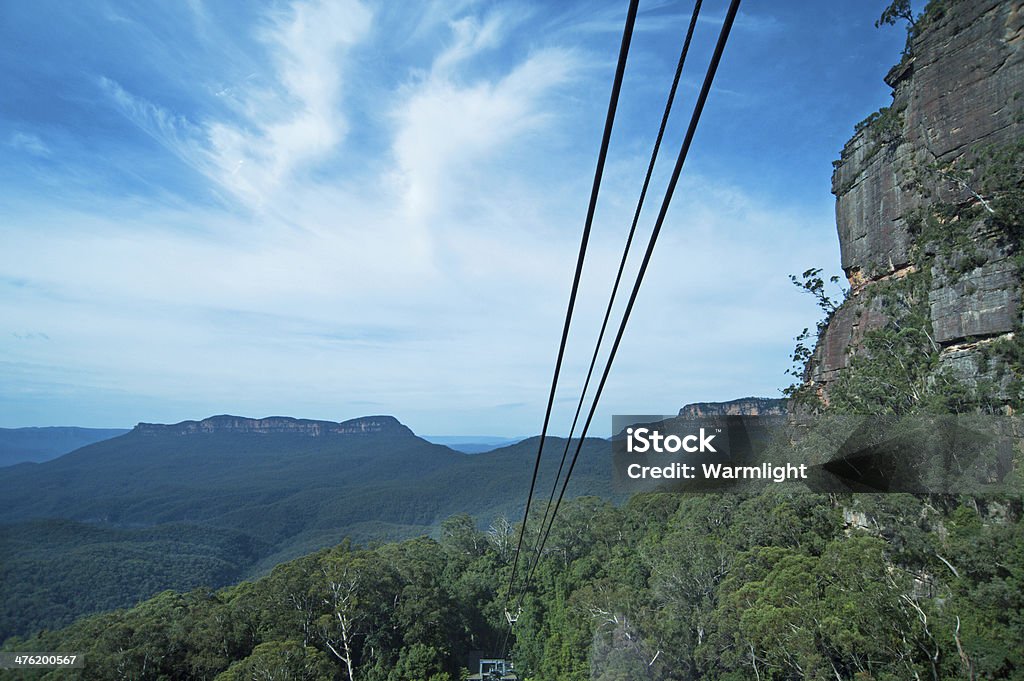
column 275, row 425
column 912, row 192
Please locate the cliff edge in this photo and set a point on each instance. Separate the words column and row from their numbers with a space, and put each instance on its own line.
column 386, row 425
column 929, row 207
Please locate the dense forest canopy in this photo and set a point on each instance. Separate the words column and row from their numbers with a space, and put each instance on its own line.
column 664, row 587
column 119, row 521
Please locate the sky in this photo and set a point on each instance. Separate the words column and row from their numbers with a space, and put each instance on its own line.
column 344, row 208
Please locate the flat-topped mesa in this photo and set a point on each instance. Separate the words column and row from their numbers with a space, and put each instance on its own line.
column 744, row 406
column 385, row 425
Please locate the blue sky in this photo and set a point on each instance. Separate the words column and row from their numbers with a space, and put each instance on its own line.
column 332, row 209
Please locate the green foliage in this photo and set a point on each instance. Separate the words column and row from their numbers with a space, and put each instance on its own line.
column 811, row 282
column 281, row 660
column 154, row 512
column 898, row 10
column 892, row 371
column 1001, row 177
column 664, row 587
column 1006, row 356
column 881, row 131
column 55, row 570
column 883, row 126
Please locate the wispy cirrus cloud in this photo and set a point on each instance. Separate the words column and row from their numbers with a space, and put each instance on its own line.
column 448, row 121
column 360, row 284
column 278, row 128
column 175, row 132
column 299, row 121
column 30, row 143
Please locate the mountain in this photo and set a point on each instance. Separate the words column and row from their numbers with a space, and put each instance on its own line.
column 472, row 444
column 744, row 406
column 233, row 497
column 18, row 445
column 381, row 425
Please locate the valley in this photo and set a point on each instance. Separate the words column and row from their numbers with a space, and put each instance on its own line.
column 214, row 501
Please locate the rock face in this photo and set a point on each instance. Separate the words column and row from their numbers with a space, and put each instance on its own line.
column 387, row 425
column 958, row 98
column 745, row 406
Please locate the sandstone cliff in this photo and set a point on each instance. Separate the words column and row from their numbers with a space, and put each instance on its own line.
column 277, row 424
column 928, row 210
column 745, row 406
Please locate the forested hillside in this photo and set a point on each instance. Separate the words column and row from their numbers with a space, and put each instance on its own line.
column 664, row 587
column 216, row 501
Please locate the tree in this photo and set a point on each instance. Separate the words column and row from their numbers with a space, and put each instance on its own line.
column 459, row 535
column 811, row 282
column 502, row 536
column 340, row 590
column 281, row 661
column 419, row 662
column 898, row 10
column 291, row 599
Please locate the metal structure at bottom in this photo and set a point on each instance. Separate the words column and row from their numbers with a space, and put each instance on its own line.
column 495, row 669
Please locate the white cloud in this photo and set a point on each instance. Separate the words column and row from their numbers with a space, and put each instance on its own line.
column 265, row 320
column 446, row 126
column 29, row 143
column 298, row 121
column 175, row 132
column 281, row 128
column 471, row 36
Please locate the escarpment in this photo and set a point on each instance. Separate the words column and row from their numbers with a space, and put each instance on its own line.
column 387, row 425
column 929, row 210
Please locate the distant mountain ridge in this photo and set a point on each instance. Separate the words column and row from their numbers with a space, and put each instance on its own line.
column 472, row 444
column 225, row 423
column 740, row 407
column 744, row 406
column 229, row 497
column 20, row 445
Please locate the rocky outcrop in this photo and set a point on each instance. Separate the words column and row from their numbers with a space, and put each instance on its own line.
column 745, row 406
column 387, row 425
column 959, row 87
column 912, row 195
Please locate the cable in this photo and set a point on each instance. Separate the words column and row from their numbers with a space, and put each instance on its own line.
column 620, row 69
column 683, row 151
column 622, row 264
